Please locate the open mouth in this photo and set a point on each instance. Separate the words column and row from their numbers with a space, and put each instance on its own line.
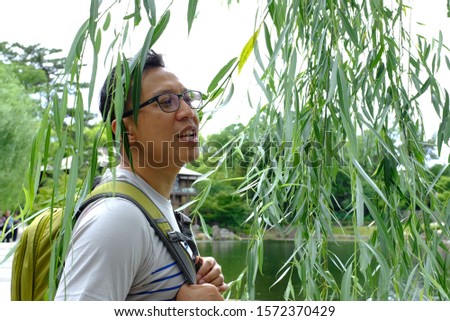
column 189, row 135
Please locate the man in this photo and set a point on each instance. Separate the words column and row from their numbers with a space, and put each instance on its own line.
column 115, row 254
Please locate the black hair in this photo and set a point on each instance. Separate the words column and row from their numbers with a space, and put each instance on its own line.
column 108, row 89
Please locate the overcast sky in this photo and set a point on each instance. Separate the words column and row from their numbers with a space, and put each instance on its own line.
column 217, row 35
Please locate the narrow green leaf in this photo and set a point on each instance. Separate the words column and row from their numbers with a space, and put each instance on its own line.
column 333, row 79
column 94, row 66
column 107, row 22
column 385, row 280
column 268, row 40
column 252, row 265
column 160, row 27
column 150, row 8
column 58, row 117
column 423, row 88
column 229, row 96
column 289, row 292
column 70, row 204
column 346, row 285
column 447, row 61
column 436, row 179
column 280, row 43
column 216, row 94
column 98, row 41
column 192, row 8
column 93, row 18
column 125, row 33
column 137, row 12
column 344, row 104
column 136, row 90
column 258, row 58
column 359, row 203
column 118, row 94
column 221, row 74
column 377, row 58
column 79, row 124
column 204, row 226
column 75, row 49
column 370, row 181
column 281, row 277
column 266, row 90
column 247, row 50
column 47, row 148
column 350, row 30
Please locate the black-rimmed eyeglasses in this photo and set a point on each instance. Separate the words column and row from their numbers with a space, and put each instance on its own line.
column 170, row 103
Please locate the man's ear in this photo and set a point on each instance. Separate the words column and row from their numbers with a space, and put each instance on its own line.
column 127, row 129
column 113, row 126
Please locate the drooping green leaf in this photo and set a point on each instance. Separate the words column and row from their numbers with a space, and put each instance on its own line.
column 150, row 8
column 247, row 50
column 160, row 27
column 370, row 181
column 345, row 108
column 75, row 49
column 137, row 12
column 333, row 79
column 95, row 4
column 347, row 284
column 192, row 11
column 107, row 22
column 349, row 29
column 222, row 72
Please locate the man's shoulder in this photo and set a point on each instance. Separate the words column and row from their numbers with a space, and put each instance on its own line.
column 110, row 222
column 112, row 212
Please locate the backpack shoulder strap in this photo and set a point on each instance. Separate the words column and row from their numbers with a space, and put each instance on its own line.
column 157, row 220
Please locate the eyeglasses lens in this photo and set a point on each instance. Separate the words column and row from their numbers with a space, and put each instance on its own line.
column 193, row 99
column 171, row 102
column 168, row 102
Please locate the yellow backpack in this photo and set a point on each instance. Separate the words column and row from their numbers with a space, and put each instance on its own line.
column 31, row 264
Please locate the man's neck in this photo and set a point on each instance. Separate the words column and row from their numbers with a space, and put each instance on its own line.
column 160, row 179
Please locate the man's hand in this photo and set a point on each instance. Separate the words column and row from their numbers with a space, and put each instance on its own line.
column 210, row 272
column 199, row 292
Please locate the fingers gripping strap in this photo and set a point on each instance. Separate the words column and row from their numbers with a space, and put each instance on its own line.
column 154, row 216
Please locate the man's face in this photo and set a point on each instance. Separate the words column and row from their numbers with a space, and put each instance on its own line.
column 163, row 139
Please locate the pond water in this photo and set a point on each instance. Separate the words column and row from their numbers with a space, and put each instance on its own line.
column 232, row 257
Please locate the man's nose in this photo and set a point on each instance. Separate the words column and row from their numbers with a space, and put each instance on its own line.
column 185, row 111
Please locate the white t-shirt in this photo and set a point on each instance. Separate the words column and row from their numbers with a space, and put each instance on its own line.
column 116, row 255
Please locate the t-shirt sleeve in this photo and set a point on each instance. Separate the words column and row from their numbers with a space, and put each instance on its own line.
column 108, row 245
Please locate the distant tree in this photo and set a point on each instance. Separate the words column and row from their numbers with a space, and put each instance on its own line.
column 36, row 67
column 443, row 188
column 443, row 183
column 17, row 128
column 223, row 206
column 38, row 71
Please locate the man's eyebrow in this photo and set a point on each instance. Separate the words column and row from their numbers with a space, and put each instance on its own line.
column 168, row 91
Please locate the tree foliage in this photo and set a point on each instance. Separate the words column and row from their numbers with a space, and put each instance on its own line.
column 37, row 67
column 222, row 205
column 17, row 129
column 328, row 72
column 38, row 72
column 342, row 68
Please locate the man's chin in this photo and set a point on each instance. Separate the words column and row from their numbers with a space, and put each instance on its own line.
column 189, row 157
